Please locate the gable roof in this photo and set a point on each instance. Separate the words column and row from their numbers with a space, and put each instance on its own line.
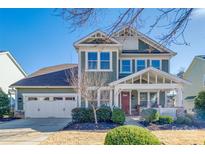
column 147, row 40
column 14, row 61
column 51, row 69
column 169, row 76
column 193, row 62
column 95, row 40
column 59, row 78
column 202, row 57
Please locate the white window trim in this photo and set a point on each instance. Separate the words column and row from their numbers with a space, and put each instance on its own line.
column 121, row 66
column 98, row 62
column 140, row 59
column 160, row 63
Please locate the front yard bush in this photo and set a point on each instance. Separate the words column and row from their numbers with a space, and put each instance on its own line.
column 199, row 104
column 184, row 120
column 130, row 135
column 118, row 116
column 104, row 114
column 150, row 115
column 165, row 120
column 4, row 104
column 81, row 115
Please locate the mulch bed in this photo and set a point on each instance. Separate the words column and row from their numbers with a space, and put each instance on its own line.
column 173, row 126
column 7, row 119
column 91, row 126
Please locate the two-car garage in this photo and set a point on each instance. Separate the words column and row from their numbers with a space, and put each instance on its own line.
column 49, row 105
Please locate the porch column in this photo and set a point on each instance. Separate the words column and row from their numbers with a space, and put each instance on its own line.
column 116, row 100
column 86, row 103
column 111, row 97
column 165, row 103
column 98, row 97
column 158, row 98
column 179, row 102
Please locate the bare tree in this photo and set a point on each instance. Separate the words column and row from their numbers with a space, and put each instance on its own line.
column 172, row 21
column 88, row 86
column 181, row 72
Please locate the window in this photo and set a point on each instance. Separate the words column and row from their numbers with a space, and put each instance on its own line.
column 32, row 98
column 104, row 97
column 57, row 98
column 125, row 66
column 155, row 64
column 92, row 97
column 104, row 60
column 70, row 98
column 153, row 99
column 46, row 99
column 143, row 99
column 141, row 64
column 99, row 61
column 92, row 60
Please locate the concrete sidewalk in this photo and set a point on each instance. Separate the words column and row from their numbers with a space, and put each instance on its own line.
column 30, row 131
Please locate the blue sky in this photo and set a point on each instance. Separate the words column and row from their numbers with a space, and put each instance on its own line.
column 37, row 38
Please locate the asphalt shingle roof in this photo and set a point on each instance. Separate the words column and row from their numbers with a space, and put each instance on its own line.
column 56, row 78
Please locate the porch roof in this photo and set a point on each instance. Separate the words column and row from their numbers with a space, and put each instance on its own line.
column 151, row 69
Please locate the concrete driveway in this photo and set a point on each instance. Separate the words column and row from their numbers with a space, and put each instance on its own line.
column 30, row 131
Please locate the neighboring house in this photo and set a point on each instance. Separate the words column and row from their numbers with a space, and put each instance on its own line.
column 137, row 70
column 196, row 74
column 10, row 72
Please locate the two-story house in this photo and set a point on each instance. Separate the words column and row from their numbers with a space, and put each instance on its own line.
column 137, row 76
column 196, row 74
column 10, row 72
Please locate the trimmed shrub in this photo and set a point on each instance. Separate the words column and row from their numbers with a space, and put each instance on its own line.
column 130, row 135
column 118, row 116
column 184, row 120
column 165, row 120
column 104, row 114
column 4, row 104
column 150, row 115
column 82, row 115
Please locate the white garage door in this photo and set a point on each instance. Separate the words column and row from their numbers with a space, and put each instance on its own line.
column 49, row 105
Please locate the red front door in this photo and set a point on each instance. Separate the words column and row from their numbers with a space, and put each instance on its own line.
column 125, row 101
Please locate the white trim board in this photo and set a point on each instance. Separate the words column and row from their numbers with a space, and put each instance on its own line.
column 169, row 76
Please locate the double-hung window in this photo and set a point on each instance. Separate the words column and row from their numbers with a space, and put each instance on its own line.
column 100, row 61
column 155, row 64
column 140, row 65
column 92, row 60
column 126, row 66
column 104, row 97
column 105, row 60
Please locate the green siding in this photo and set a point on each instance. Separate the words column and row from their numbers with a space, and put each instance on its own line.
column 111, row 76
column 143, row 45
column 133, row 66
column 165, row 65
column 148, row 63
column 39, row 90
column 162, row 99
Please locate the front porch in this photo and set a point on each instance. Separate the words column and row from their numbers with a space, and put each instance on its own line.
column 134, row 101
column 149, row 88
